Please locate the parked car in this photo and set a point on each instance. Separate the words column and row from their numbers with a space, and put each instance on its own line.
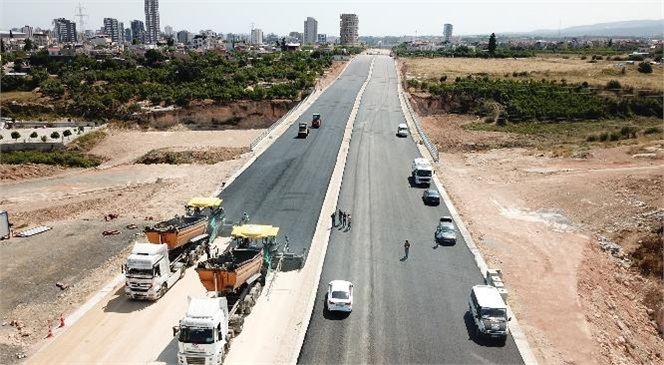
column 402, row 130
column 315, row 121
column 446, row 232
column 431, row 197
column 303, row 130
column 340, row 296
column 489, row 313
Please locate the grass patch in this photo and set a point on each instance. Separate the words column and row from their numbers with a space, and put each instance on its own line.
column 87, row 142
column 579, row 133
column 207, row 156
column 58, row 158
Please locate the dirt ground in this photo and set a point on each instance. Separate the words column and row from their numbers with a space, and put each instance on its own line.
column 540, row 219
column 536, row 217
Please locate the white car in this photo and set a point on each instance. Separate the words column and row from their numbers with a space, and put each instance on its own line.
column 340, row 296
column 402, row 130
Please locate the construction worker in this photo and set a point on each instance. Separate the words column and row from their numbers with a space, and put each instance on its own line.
column 245, row 218
column 406, row 248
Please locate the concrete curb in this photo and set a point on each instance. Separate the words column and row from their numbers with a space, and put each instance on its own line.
column 330, row 202
column 517, row 333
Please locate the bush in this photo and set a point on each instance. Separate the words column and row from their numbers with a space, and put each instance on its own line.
column 55, row 135
column 645, row 68
column 613, row 84
column 592, row 138
column 614, row 136
column 628, row 132
column 653, row 130
column 61, row 158
column 443, row 78
column 603, row 137
column 649, row 256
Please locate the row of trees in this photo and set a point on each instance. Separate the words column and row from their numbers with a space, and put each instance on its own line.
column 15, row 135
column 111, row 87
column 538, row 100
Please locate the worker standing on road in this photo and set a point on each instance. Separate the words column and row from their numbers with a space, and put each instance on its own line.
column 245, row 218
column 406, row 248
column 343, row 219
column 206, row 246
column 334, row 221
column 340, row 212
column 348, row 219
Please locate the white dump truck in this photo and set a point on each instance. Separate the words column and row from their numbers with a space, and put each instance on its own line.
column 173, row 245
column 421, row 171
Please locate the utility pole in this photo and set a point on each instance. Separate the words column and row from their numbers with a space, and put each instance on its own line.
column 81, row 19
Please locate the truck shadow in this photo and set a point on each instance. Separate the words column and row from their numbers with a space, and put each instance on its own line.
column 121, row 304
column 473, row 336
column 411, row 182
column 169, row 355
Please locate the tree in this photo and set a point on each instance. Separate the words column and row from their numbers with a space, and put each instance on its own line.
column 170, row 41
column 44, row 138
column 55, row 135
column 492, row 43
column 15, row 135
column 28, row 45
column 2, row 46
column 33, row 135
column 66, row 133
column 11, row 35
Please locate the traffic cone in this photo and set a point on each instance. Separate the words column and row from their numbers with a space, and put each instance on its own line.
column 62, row 320
column 50, row 332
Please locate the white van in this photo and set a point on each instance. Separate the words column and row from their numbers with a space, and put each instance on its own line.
column 402, row 130
column 489, row 312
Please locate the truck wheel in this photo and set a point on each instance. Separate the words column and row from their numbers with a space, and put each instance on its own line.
column 162, row 290
column 247, row 303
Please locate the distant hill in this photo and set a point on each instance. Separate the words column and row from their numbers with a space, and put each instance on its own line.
column 631, row 28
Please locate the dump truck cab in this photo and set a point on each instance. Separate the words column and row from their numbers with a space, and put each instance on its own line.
column 315, row 120
column 303, row 130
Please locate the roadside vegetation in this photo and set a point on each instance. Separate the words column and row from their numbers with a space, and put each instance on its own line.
column 114, row 87
column 59, row 158
column 208, row 156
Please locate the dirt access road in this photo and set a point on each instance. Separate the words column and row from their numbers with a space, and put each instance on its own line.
column 533, row 215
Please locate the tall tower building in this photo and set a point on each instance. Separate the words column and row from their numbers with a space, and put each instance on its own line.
column 348, row 29
column 113, row 29
column 64, row 30
column 310, row 31
column 137, row 31
column 447, row 33
column 256, row 36
column 152, row 28
column 168, row 30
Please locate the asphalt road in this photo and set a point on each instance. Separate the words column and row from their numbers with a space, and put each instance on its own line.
column 406, row 311
column 286, row 185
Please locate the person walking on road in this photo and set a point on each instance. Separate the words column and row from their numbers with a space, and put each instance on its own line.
column 334, row 221
column 340, row 216
column 406, row 248
column 348, row 221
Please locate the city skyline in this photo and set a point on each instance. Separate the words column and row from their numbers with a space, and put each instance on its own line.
column 377, row 18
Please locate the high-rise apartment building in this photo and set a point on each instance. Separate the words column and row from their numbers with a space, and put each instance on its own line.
column 321, row 39
column 184, row 37
column 447, row 33
column 112, row 29
column 152, row 28
column 256, row 36
column 64, row 31
column 168, row 30
column 348, row 29
column 310, row 31
column 137, row 31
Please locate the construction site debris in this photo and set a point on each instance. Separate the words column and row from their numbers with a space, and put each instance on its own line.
column 131, row 226
column 112, row 232
column 62, row 286
column 110, row 216
column 33, row 231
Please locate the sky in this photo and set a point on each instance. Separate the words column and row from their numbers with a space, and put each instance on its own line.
column 376, row 18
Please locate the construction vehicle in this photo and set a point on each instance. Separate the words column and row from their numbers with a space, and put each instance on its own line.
column 421, row 171
column 234, row 281
column 173, row 245
column 315, row 120
column 302, row 130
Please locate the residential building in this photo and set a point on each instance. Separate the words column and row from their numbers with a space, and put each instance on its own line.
column 168, row 30
column 152, row 28
column 348, row 29
column 112, row 28
column 256, row 36
column 295, row 36
column 321, row 39
column 447, row 33
column 137, row 30
column 127, row 35
column 184, row 37
column 64, row 31
column 310, row 31
column 40, row 39
column 28, row 31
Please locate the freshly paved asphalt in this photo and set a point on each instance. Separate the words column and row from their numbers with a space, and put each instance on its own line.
column 286, row 185
column 406, row 311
